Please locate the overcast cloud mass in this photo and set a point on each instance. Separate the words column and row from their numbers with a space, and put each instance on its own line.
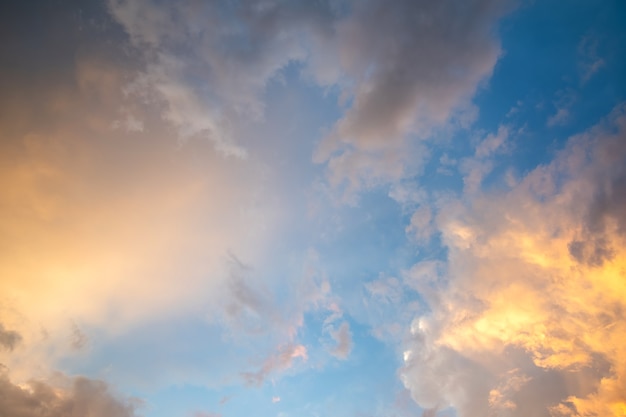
column 305, row 208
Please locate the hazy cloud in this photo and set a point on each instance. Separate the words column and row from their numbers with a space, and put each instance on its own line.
column 80, row 397
column 416, row 73
column 120, row 215
column 343, row 339
column 589, row 60
column 209, row 62
column 78, row 339
column 9, row 338
column 278, row 362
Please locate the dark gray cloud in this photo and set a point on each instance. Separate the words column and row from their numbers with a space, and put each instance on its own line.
column 9, row 338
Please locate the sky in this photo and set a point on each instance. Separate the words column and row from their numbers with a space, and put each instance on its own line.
column 299, row 208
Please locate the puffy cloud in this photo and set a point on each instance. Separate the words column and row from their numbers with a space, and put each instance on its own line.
column 416, row 73
column 529, row 316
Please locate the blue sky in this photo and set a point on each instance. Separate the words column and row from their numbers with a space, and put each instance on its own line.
column 292, row 208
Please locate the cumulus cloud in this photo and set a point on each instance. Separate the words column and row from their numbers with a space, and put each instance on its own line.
column 530, row 313
column 414, row 74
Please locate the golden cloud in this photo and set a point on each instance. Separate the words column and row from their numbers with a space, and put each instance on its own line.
column 536, row 272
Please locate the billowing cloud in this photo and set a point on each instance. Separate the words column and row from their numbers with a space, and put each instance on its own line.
column 529, row 319
column 414, row 74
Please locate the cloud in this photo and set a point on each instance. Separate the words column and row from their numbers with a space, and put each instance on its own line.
column 421, row 225
column 589, row 61
column 9, row 338
column 565, row 99
column 529, row 315
column 209, row 63
column 412, row 76
column 73, row 397
column 279, row 362
column 210, row 72
column 476, row 168
column 78, row 339
column 101, row 224
column 561, row 117
column 343, row 339
column 205, row 414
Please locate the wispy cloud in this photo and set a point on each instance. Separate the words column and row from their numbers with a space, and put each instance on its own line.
column 589, row 60
column 343, row 339
column 278, row 362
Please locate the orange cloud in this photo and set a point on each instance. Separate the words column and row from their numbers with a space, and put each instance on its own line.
column 107, row 224
column 539, row 273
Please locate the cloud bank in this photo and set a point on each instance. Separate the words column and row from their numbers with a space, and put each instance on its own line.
column 530, row 313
